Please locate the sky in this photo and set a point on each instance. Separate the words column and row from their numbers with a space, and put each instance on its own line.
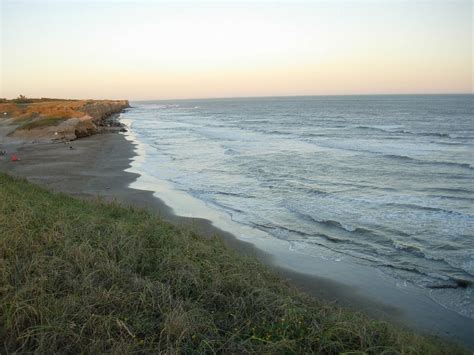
column 169, row 50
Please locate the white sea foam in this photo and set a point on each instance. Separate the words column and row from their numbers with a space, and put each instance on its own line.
column 328, row 177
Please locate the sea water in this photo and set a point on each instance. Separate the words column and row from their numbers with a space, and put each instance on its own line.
column 386, row 180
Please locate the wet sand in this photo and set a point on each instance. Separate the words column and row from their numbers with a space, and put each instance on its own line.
column 95, row 168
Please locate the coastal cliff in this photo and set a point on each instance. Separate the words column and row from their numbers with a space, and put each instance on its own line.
column 50, row 119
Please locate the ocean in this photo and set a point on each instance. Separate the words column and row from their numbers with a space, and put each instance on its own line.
column 386, row 181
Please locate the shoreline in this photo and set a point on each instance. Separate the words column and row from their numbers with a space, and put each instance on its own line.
column 96, row 167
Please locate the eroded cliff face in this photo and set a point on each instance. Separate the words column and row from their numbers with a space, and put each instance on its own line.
column 59, row 119
column 99, row 110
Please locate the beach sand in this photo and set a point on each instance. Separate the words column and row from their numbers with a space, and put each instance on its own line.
column 94, row 167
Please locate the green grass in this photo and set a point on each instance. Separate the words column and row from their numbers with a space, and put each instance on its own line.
column 93, row 277
column 42, row 122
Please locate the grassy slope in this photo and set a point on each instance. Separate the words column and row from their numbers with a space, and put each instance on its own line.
column 45, row 122
column 77, row 276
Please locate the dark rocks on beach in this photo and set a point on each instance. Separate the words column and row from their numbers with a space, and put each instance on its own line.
column 453, row 283
column 111, row 124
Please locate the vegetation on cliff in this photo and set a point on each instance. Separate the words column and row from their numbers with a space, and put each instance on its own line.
column 49, row 121
column 94, row 277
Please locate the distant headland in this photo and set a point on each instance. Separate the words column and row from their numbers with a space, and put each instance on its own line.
column 58, row 119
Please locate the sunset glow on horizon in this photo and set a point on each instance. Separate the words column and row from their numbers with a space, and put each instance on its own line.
column 159, row 50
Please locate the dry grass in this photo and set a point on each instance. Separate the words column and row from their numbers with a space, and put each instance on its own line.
column 83, row 277
column 48, row 108
column 65, row 109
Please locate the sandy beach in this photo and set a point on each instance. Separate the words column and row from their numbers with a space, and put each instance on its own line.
column 94, row 167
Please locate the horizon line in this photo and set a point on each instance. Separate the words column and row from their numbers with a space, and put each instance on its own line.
column 311, row 95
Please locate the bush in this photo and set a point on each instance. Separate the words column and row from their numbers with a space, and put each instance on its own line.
column 22, row 100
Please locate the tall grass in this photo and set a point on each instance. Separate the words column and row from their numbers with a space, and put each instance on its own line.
column 93, row 277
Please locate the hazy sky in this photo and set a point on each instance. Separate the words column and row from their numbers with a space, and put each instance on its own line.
column 153, row 49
